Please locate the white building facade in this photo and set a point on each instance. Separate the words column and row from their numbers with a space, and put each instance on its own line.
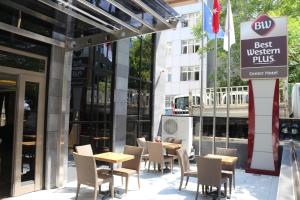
column 177, row 61
column 182, row 62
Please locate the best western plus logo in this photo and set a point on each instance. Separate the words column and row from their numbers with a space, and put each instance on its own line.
column 263, row 25
column 264, row 48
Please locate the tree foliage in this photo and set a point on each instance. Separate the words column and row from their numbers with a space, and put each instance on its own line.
column 249, row 10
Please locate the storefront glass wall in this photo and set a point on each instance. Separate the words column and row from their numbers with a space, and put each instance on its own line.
column 139, row 112
column 92, row 98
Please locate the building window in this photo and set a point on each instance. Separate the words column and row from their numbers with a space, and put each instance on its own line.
column 190, row 20
column 168, row 101
column 196, row 74
column 189, row 73
column 169, row 77
column 168, row 48
column 189, row 46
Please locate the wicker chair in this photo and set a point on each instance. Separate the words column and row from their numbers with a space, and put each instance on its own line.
column 184, row 166
column 143, row 143
column 172, row 152
column 88, row 151
column 84, row 150
column 156, row 156
column 209, row 174
column 228, row 170
column 87, row 174
column 130, row 167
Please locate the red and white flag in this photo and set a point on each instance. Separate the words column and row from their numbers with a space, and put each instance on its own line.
column 216, row 13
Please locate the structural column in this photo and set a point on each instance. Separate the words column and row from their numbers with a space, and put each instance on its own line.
column 56, row 160
column 120, row 95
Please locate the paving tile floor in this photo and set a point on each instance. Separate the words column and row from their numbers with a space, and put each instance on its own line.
column 157, row 187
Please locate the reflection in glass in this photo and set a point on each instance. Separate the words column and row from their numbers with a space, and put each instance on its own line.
column 91, row 101
column 29, row 131
column 139, row 88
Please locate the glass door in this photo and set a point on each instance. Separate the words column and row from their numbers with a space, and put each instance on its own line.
column 28, row 157
column 8, row 88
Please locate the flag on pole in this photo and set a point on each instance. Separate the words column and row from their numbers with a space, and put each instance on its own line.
column 208, row 24
column 216, row 13
column 229, row 28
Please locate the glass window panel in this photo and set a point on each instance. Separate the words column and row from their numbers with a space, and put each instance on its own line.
column 196, row 76
column 183, row 76
column 135, row 56
column 169, row 77
column 21, row 62
column 189, row 75
column 146, row 64
column 29, row 131
column 191, row 49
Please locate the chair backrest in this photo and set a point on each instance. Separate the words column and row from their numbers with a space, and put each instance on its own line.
column 134, row 163
column 85, row 169
column 226, row 152
column 142, row 143
column 169, row 139
column 183, row 160
column 173, row 151
column 84, row 150
column 155, row 151
column 209, row 171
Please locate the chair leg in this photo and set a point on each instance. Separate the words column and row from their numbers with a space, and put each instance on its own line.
column 219, row 191
column 230, row 184
column 111, row 188
column 77, row 191
column 172, row 164
column 197, row 193
column 145, row 160
column 139, row 183
column 95, row 193
column 162, row 168
column 149, row 166
column 233, row 177
column 126, row 184
column 187, row 180
column 181, row 180
column 225, row 189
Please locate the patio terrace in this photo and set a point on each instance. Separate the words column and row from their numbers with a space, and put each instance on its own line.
column 157, row 187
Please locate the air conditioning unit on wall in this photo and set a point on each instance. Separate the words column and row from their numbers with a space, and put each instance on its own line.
column 179, row 127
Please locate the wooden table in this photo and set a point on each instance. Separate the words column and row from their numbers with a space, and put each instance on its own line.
column 169, row 145
column 230, row 160
column 112, row 157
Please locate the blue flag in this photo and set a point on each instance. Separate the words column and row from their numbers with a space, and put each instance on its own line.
column 208, row 24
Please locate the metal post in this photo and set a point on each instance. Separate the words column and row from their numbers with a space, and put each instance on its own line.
column 228, row 81
column 215, row 96
column 201, row 86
